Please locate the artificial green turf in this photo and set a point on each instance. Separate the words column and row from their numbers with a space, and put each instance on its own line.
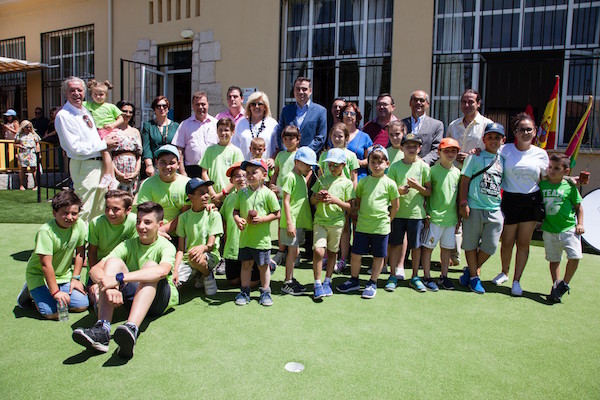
column 398, row 345
column 21, row 206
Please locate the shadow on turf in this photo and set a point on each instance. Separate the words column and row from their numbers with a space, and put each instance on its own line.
column 22, row 255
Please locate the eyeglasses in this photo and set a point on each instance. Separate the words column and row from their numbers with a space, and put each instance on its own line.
column 349, row 114
column 127, row 112
column 525, row 130
column 257, row 104
column 383, row 104
column 162, row 106
column 419, row 100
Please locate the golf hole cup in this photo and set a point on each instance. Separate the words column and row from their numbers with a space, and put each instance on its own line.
column 63, row 311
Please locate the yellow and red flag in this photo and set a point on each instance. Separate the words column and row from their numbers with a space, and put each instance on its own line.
column 575, row 142
column 546, row 136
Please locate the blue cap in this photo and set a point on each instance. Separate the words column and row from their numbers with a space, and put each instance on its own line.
column 380, row 148
column 195, row 183
column 337, row 156
column 494, row 127
column 167, row 148
column 306, row 155
column 10, row 113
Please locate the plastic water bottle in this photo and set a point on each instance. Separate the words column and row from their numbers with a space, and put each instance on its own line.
column 63, row 312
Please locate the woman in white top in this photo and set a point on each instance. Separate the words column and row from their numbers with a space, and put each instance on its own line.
column 522, row 206
column 258, row 123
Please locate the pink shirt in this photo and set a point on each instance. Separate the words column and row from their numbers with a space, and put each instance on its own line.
column 194, row 137
column 227, row 114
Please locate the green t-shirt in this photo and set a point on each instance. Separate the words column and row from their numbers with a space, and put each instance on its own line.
column 196, row 227
column 484, row 189
column 285, row 162
column 394, row 155
column 105, row 113
column 232, row 239
column 135, row 255
column 171, row 196
column 60, row 243
column 106, row 236
column 264, row 201
column 559, row 201
column 412, row 204
column 441, row 205
column 351, row 164
column 295, row 185
column 375, row 196
column 216, row 161
column 337, row 186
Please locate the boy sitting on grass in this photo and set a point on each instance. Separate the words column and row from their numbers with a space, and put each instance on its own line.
column 136, row 273
column 561, row 229
column 198, row 231
column 52, row 276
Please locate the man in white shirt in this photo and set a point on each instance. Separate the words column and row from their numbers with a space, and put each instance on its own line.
column 80, row 140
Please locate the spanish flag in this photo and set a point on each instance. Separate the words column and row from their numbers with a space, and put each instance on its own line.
column 546, row 136
column 575, row 142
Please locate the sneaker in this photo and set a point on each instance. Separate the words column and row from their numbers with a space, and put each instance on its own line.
column 340, row 266
column 24, row 299
column 125, row 336
column 476, row 286
column 220, row 268
column 199, row 283
column 210, row 285
column 351, row 285
column 516, row 289
column 105, row 181
column 96, row 337
column 445, row 283
column 280, row 257
column 272, row 266
column 465, row 277
column 327, row 292
column 242, row 298
column 558, row 290
column 400, row 273
column 293, row 287
column 391, row 284
column 318, row 291
column 500, row 279
column 265, row 298
column 370, row 290
column 416, row 284
column 430, row 285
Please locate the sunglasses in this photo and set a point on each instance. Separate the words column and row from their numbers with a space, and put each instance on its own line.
column 257, row 104
column 162, row 106
column 349, row 114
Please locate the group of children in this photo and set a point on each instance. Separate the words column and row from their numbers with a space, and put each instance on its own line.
column 181, row 223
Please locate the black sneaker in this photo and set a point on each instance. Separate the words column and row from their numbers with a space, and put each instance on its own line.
column 125, row 336
column 558, row 291
column 294, row 288
column 24, row 299
column 96, row 337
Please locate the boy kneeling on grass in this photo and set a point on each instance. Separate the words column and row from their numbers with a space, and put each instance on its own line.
column 136, row 273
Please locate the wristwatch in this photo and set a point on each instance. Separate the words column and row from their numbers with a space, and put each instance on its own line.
column 119, row 277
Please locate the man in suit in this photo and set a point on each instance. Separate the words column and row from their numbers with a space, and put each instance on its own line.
column 430, row 130
column 309, row 117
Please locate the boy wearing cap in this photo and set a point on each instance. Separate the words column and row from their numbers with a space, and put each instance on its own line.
column 254, row 209
column 296, row 218
column 333, row 196
column 167, row 188
column 198, row 230
column 374, row 194
column 412, row 177
column 442, row 213
column 479, row 205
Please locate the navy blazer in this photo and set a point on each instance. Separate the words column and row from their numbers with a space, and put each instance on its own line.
column 313, row 129
column 431, row 133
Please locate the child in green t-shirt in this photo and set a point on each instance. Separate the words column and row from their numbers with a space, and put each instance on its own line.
column 333, row 197
column 52, row 278
column 396, row 131
column 411, row 175
column 562, row 225
column 253, row 212
column 339, row 136
column 218, row 158
column 258, row 147
column 442, row 214
column 198, row 230
column 374, row 195
column 296, row 218
column 137, row 272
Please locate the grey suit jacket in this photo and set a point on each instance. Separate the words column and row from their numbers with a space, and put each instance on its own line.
column 431, row 133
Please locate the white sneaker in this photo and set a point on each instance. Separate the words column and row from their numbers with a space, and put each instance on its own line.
column 105, row 181
column 516, row 289
column 210, row 285
column 500, row 279
column 400, row 273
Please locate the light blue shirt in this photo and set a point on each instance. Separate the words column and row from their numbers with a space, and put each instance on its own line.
column 301, row 113
column 416, row 123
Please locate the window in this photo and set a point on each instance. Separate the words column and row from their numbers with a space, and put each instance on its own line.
column 67, row 52
column 13, row 86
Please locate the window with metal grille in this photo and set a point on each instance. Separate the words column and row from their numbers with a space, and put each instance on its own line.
column 13, row 86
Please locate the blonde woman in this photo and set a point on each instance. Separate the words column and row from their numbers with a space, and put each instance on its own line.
column 258, row 123
column 28, row 143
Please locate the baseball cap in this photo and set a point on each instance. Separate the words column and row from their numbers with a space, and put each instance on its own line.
column 494, row 127
column 411, row 137
column 337, row 156
column 233, row 168
column 258, row 163
column 167, row 148
column 10, row 112
column 195, row 183
column 380, row 148
column 306, row 155
column 448, row 142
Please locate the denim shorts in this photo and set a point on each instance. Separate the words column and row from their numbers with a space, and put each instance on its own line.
column 377, row 243
column 260, row 257
column 46, row 304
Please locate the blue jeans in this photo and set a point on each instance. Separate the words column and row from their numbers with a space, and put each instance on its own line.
column 46, row 304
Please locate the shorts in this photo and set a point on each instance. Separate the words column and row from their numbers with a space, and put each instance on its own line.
column 482, row 230
column 555, row 243
column 161, row 299
column 260, row 257
column 292, row 241
column 105, row 132
column 46, row 304
column 234, row 267
column 519, row 207
column 327, row 237
column 411, row 227
column 186, row 272
column 377, row 244
column 445, row 235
